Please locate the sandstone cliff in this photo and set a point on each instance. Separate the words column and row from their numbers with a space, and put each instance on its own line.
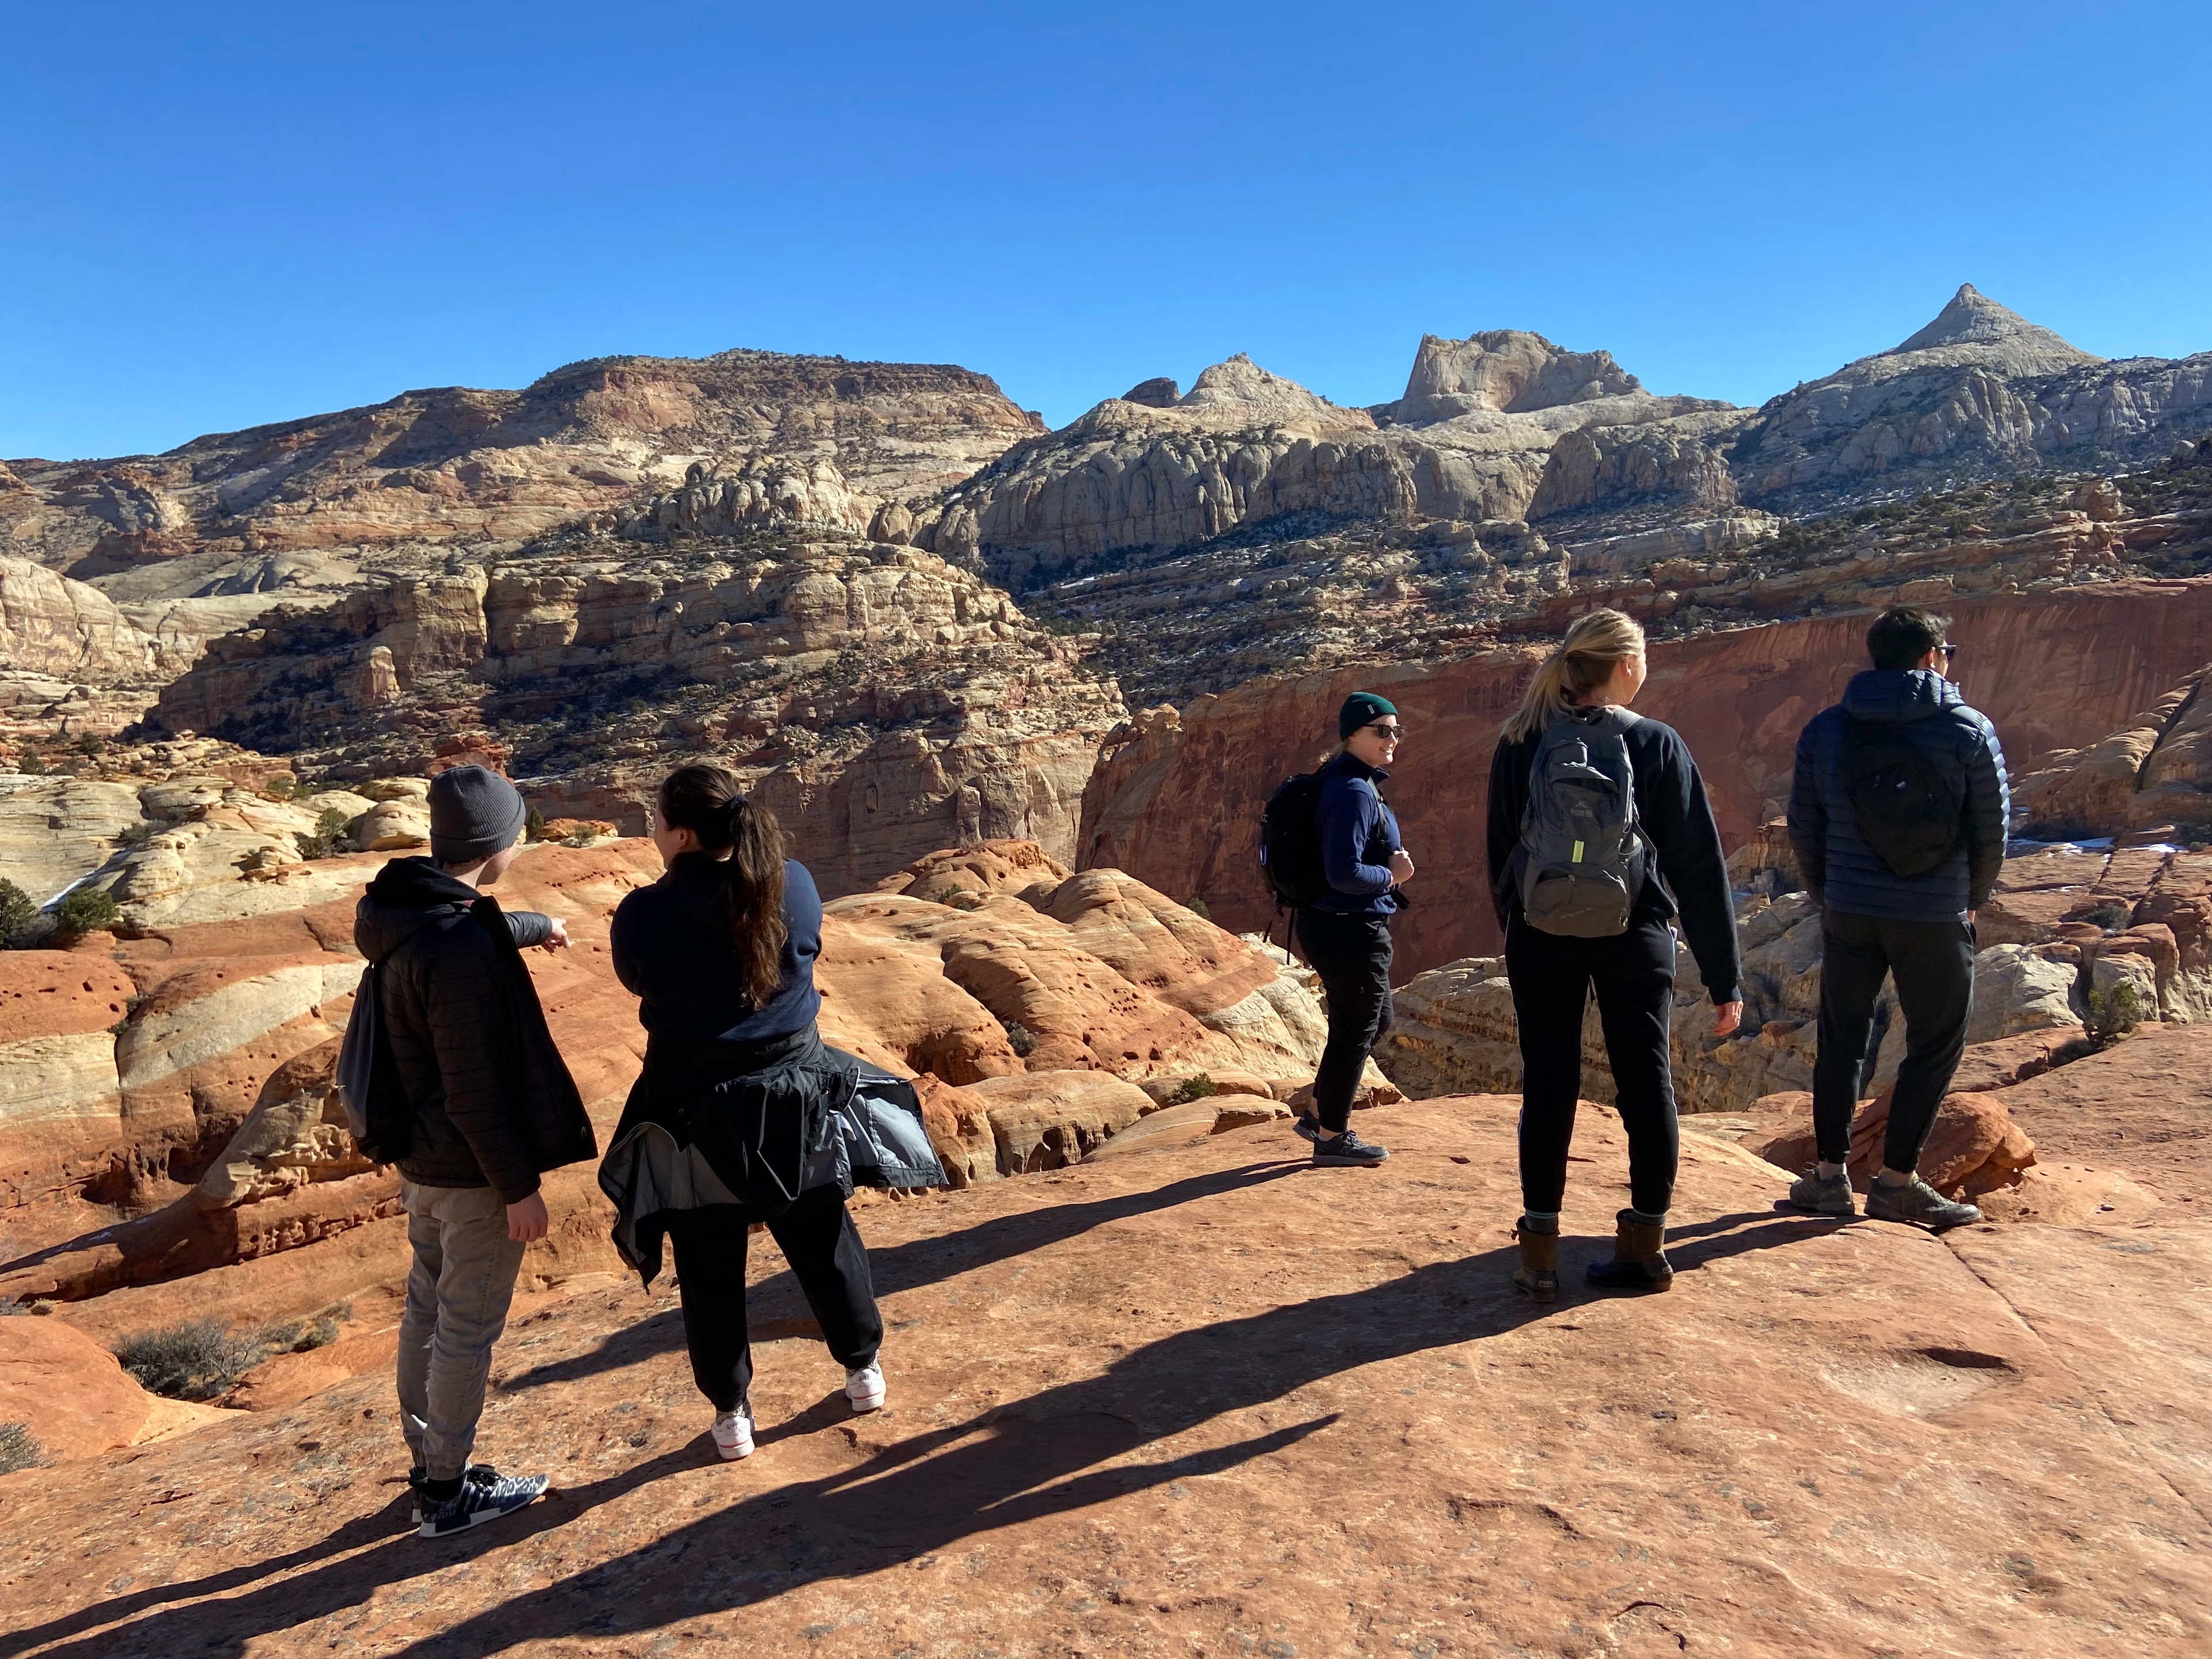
column 2056, row 670
column 885, row 702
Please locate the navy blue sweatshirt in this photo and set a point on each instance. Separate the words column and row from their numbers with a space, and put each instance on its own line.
column 1358, row 833
column 674, row 952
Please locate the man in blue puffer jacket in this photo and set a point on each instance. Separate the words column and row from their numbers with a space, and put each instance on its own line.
column 1919, row 930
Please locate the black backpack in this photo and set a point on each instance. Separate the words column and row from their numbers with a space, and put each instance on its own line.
column 1289, row 843
column 378, row 1111
column 1910, row 813
column 1581, row 859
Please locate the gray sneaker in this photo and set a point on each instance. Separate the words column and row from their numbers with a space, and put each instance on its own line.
column 1822, row 1195
column 480, row 1502
column 1306, row 1126
column 1348, row 1149
column 1918, row 1203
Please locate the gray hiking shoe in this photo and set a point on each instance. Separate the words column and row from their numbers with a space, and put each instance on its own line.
column 1306, row 1126
column 1919, row 1204
column 1348, row 1149
column 1820, row 1194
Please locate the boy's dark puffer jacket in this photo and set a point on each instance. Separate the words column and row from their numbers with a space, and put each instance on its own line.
column 494, row 1103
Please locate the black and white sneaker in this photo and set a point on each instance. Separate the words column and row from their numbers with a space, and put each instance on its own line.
column 1348, row 1148
column 482, row 1501
column 479, row 1473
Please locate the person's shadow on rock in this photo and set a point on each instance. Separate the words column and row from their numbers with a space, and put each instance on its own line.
column 1061, row 1449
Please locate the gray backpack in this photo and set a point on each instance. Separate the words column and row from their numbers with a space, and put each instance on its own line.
column 1582, row 854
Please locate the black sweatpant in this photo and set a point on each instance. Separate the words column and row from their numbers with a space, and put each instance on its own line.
column 1933, row 965
column 1352, row 954
column 827, row 1257
column 1552, row 977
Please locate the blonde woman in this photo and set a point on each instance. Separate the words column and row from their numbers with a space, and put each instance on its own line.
column 1601, row 839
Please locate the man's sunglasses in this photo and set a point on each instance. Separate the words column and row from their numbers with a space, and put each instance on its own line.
column 1948, row 651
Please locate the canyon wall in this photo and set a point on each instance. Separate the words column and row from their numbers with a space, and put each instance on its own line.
column 1177, row 797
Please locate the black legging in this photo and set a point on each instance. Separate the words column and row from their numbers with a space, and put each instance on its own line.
column 818, row 1239
column 1634, row 976
column 1352, row 954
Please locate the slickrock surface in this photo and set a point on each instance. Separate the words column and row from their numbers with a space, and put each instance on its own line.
column 886, row 703
column 2055, row 671
column 1203, row 1400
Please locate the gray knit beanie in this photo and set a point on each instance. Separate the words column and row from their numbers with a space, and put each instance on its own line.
column 474, row 813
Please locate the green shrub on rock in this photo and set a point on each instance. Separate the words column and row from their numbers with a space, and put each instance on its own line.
column 17, row 1450
column 87, row 910
column 16, row 911
column 194, row 1359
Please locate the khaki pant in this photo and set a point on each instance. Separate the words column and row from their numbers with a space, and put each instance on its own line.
column 458, row 1294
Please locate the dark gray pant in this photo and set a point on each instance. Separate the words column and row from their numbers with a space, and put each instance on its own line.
column 1352, row 954
column 1932, row 963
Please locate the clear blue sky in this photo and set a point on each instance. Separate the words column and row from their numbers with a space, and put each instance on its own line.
column 215, row 215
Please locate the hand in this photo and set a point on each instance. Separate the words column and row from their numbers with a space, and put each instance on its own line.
column 1727, row 1017
column 1401, row 866
column 527, row 1221
column 1970, row 918
column 558, row 939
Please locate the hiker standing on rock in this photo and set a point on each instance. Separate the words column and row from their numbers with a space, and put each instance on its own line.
column 1897, row 813
column 1344, row 922
column 741, row 1114
column 1600, row 835
column 490, row 1107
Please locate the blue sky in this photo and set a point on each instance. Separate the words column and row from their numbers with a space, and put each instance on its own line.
column 214, row 217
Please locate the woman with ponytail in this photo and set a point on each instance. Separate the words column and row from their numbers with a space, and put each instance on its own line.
column 1600, row 838
column 741, row 1114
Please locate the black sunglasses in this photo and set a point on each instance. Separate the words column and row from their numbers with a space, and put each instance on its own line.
column 1948, row 651
column 1390, row 731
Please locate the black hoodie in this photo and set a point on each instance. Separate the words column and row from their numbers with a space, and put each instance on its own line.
column 494, row 1103
column 671, row 949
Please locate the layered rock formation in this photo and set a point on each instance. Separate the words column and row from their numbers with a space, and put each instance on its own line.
column 884, row 702
column 459, row 465
column 2055, row 670
column 166, row 1108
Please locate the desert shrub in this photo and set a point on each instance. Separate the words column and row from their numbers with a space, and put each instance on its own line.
column 1022, row 1040
column 1199, row 1087
column 1199, row 908
column 329, row 837
column 87, row 910
column 299, row 1335
column 16, row 910
column 33, row 764
column 91, row 746
column 534, row 826
column 17, row 1450
column 193, row 1360
column 2112, row 916
column 2114, row 1012
column 283, row 786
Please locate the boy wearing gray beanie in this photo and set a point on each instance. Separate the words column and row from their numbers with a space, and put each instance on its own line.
column 490, row 1107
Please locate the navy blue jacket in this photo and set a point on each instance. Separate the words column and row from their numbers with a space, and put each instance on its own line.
column 671, row 950
column 1840, row 867
column 1358, row 833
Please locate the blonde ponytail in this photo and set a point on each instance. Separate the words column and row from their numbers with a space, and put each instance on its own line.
column 1585, row 660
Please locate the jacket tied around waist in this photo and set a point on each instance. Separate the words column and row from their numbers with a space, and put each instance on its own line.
column 754, row 1125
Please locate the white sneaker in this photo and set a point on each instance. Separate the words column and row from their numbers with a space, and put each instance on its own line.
column 865, row 1387
column 734, row 1434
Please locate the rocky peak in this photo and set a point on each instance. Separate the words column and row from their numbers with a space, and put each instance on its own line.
column 1974, row 327
column 1507, row 370
column 1240, row 387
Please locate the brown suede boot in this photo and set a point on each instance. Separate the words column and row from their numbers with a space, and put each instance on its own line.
column 1539, row 1272
column 1639, row 1258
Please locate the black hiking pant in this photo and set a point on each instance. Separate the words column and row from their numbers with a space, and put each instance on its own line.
column 1352, row 954
column 818, row 1239
column 1932, row 963
column 1552, row 977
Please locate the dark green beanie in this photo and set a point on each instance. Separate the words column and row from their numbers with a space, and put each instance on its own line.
column 1362, row 708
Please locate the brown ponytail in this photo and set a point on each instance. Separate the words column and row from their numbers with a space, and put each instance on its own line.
column 709, row 801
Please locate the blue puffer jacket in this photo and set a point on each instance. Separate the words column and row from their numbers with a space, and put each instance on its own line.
column 1841, row 869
